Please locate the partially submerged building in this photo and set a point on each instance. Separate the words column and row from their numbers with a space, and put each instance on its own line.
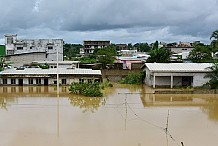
column 38, row 76
column 176, row 74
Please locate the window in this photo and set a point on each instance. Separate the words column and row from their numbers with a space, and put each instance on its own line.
column 19, row 48
column 5, row 81
column 13, row 81
column 38, row 81
column 31, row 47
column 30, row 81
column 10, row 52
column 64, row 81
column 89, row 81
column 50, row 47
column 9, row 40
column 81, row 80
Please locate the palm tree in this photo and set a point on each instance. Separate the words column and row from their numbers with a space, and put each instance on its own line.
column 214, row 35
column 213, row 75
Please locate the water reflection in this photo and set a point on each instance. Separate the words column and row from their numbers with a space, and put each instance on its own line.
column 127, row 115
column 90, row 104
column 3, row 103
column 211, row 108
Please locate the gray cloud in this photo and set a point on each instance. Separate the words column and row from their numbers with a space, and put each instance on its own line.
column 117, row 20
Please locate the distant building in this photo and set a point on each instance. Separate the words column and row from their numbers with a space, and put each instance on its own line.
column 122, row 47
column 180, row 47
column 27, row 50
column 90, row 45
column 176, row 74
column 38, row 76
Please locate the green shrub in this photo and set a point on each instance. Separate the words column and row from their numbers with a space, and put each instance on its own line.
column 133, row 78
column 87, row 89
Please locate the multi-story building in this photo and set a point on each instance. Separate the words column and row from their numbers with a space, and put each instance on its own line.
column 27, row 50
column 90, row 45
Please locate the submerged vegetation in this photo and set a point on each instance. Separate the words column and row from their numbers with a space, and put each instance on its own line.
column 87, row 89
column 133, row 78
column 90, row 89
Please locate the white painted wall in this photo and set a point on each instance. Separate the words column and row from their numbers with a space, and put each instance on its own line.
column 199, row 80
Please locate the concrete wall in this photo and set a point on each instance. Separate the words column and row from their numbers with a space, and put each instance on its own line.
column 19, row 60
column 199, row 80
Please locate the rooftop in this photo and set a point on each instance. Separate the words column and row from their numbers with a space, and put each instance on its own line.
column 50, row 71
column 178, row 67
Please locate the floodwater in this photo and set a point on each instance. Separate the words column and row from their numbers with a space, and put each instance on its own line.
column 126, row 116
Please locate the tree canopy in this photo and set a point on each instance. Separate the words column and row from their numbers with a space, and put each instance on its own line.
column 214, row 35
column 159, row 55
column 106, row 55
column 201, row 53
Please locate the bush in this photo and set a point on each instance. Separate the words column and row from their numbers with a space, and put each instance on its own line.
column 86, row 89
column 133, row 78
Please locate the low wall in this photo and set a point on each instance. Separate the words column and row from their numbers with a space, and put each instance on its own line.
column 116, row 75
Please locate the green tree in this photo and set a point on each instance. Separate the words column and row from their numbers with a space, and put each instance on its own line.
column 72, row 50
column 106, row 55
column 214, row 35
column 201, row 53
column 155, row 45
column 214, row 42
column 142, row 47
column 159, row 55
column 213, row 75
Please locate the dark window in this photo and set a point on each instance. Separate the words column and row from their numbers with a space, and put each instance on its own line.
column 30, row 81
column 10, row 52
column 50, row 47
column 64, row 81
column 81, row 80
column 19, row 48
column 38, row 81
column 89, row 81
column 5, row 81
column 13, row 81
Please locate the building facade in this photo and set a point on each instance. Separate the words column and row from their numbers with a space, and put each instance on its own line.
column 176, row 74
column 90, row 45
column 38, row 76
column 49, row 49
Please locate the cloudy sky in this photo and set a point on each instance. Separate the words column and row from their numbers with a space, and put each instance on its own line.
column 121, row 21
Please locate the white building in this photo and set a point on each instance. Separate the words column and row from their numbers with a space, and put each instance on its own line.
column 26, row 50
column 176, row 74
column 38, row 76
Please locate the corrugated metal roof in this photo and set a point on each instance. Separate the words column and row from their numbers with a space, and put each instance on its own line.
column 39, row 71
column 178, row 67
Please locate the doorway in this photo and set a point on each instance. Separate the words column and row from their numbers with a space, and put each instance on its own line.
column 46, row 82
column 20, row 82
column 187, row 81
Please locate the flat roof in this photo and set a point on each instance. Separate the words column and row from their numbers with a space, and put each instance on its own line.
column 55, row 62
column 50, row 71
column 178, row 67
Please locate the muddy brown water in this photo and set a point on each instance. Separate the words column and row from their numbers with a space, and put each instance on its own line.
column 126, row 116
